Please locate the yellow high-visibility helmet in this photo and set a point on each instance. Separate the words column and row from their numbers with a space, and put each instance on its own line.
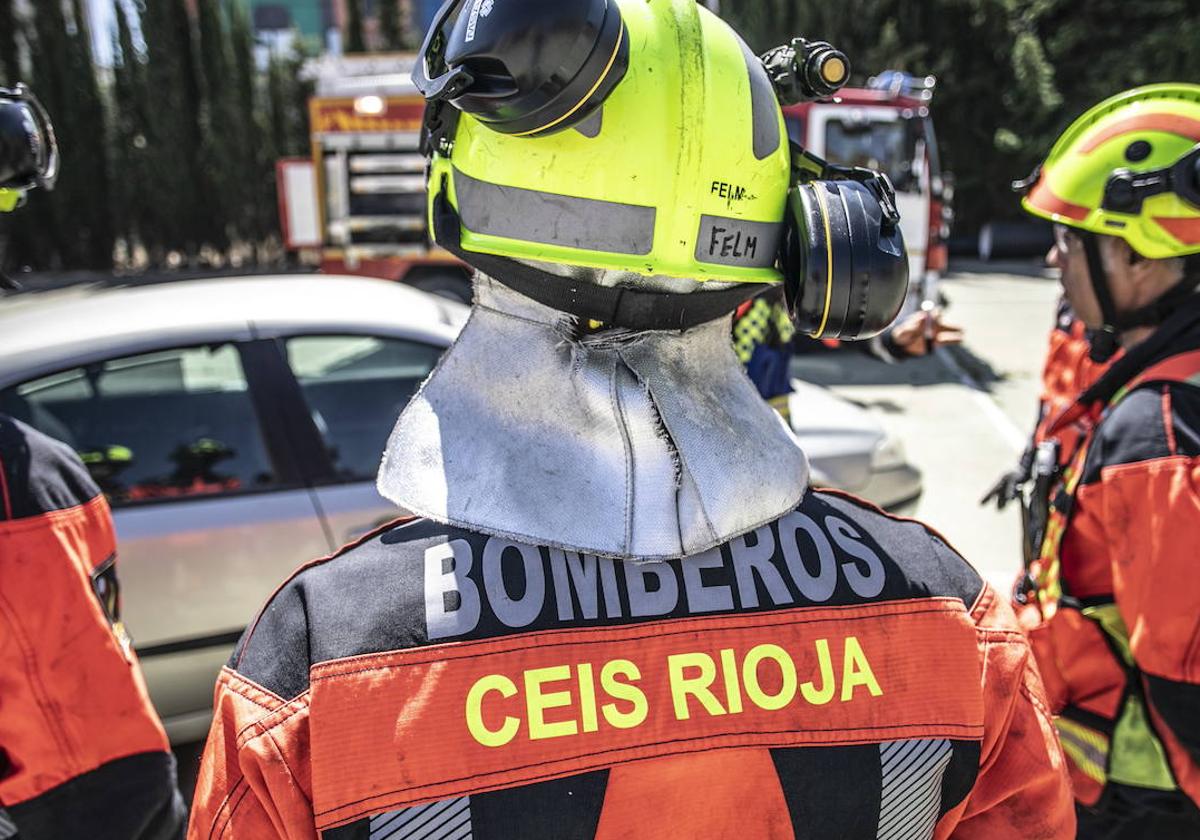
column 1129, row 167
column 660, row 148
column 635, row 140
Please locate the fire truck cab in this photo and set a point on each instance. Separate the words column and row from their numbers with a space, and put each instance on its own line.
column 887, row 126
column 368, row 178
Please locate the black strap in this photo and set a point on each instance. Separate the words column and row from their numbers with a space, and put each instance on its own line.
column 617, row 306
column 1185, row 318
column 1104, row 342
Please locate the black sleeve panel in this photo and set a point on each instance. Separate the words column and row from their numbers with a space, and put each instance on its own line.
column 1132, row 432
column 1135, row 430
column 40, row 474
column 274, row 650
column 1185, row 419
column 133, row 798
column 1179, row 705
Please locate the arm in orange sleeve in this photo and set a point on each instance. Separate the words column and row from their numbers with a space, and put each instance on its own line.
column 1022, row 791
column 82, row 753
column 1152, row 519
column 255, row 781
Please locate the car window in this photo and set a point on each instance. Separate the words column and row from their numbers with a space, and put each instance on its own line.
column 164, row 425
column 356, row 387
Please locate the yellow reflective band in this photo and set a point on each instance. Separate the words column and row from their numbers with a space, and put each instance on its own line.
column 1138, row 756
column 1086, row 748
column 828, row 263
column 612, row 59
column 9, row 200
column 1108, row 616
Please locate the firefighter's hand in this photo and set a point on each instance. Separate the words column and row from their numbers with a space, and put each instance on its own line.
column 1007, row 489
column 920, row 332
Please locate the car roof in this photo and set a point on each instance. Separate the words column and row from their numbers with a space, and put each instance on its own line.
column 44, row 331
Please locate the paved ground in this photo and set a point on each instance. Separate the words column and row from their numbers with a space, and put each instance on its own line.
column 963, row 414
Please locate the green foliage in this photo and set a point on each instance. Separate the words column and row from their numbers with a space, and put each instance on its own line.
column 76, row 216
column 174, row 157
column 134, row 218
column 356, row 41
column 9, row 71
column 389, row 25
column 1011, row 73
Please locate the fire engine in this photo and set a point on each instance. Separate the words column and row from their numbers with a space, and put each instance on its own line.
column 358, row 205
column 887, row 126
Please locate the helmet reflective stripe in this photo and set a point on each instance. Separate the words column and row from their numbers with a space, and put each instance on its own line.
column 564, row 221
column 1120, row 170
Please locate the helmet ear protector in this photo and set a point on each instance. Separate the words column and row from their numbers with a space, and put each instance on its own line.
column 541, row 67
column 843, row 260
column 1126, row 190
column 28, row 149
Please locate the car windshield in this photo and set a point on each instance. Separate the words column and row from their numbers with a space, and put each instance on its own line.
column 887, row 145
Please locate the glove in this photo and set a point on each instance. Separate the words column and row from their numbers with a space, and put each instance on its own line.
column 1007, row 489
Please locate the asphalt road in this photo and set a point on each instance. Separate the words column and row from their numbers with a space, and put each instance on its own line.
column 964, row 413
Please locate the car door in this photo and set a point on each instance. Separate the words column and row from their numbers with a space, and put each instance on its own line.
column 354, row 387
column 211, row 510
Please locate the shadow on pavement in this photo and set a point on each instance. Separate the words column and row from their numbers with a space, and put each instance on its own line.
column 1035, row 268
column 851, row 366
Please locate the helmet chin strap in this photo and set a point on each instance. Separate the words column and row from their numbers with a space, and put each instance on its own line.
column 1106, row 341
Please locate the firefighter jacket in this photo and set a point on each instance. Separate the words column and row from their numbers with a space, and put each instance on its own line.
column 82, row 753
column 836, row 673
column 1114, row 599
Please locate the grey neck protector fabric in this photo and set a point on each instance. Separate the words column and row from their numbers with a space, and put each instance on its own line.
column 650, row 445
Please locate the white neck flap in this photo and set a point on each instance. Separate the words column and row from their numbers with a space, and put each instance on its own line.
column 650, row 445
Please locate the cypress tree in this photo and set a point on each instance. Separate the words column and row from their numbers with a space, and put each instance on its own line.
column 218, row 113
column 91, row 120
column 356, row 41
column 175, row 131
column 129, row 140
column 10, row 70
column 50, row 218
column 389, row 25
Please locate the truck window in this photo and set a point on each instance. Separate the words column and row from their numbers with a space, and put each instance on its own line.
column 889, row 146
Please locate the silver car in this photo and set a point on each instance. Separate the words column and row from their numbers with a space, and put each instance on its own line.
column 236, row 426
